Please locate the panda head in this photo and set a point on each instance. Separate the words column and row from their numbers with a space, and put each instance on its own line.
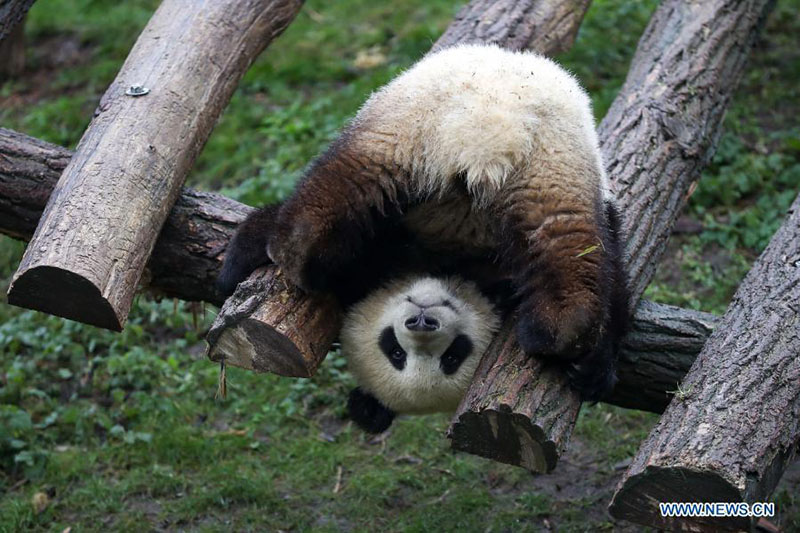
column 413, row 346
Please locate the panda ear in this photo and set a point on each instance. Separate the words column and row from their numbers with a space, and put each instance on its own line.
column 368, row 413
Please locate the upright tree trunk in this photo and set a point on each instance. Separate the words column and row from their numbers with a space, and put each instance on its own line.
column 101, row 223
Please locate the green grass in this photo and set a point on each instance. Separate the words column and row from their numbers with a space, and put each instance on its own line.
column 122, row 432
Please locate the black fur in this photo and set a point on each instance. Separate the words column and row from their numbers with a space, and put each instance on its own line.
column 455, row 354
column 391, row 348
column 368, row 413
column 247, row 249
column 594, row 375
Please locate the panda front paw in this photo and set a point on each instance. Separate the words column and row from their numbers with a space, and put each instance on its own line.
column 314, row 251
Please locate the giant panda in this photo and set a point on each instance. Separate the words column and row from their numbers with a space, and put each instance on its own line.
column 468, row 189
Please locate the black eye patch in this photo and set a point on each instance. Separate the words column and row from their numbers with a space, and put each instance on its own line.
column 392, row 349
column 458, row 351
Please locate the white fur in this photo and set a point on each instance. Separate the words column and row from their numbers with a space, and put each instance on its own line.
column 492, row 116
column 421, row 387
column 484, row 112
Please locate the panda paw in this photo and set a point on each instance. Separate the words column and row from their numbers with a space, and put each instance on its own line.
column 368, row 413
column 565, row 335
column 583, row 346
column 593, row 377
column 247, row 249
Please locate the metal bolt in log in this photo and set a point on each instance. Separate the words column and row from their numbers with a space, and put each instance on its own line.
column 659, row 133
column 501, row 21
column 656, row 353
column 737, row 425
column 101, row 223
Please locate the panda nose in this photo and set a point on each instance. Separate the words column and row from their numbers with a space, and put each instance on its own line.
column 422, row 323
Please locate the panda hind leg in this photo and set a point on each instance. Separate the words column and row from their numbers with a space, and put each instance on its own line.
column 565, row 260
column 595, row 374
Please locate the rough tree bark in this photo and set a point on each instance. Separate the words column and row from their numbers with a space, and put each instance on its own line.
column 737, row 424
column 504, row 22
column 101, row 223
column 11, row 14
column 656, row 353
column 549, row 26
column 660, row 131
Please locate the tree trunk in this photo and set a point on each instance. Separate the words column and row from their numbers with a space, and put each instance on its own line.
column 12, row 52
column 737, row 424
column 101, row 223
column 656, row 354
column 660, row 131
column 12, row 13
column 507, row 22
column 548, row 26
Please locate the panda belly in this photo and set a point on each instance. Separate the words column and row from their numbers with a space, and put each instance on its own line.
column 453, row 224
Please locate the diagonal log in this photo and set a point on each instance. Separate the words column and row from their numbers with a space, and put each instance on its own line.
column 737, row 425
column 659, row 133
column 656, row 354
column 505, row 22
column 100, row 225
column 549, row 27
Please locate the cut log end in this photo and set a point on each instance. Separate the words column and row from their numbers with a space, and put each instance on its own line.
column 504, row 436
column 269, row 325
column 256, row 346
column 518, row 410
column 66, row 294
column 638, row 499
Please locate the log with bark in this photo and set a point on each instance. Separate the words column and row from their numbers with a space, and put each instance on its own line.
column 499, row 21
column 548, row 26
column 659, row 349
column 659, row 133
column 737, row 424
column 100, row 225
column 12, row 13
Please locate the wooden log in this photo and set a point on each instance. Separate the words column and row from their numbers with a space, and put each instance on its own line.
column 656, row 354
column 737, row 424
column 547, row 26
column 188, row 254
column 499, row 420
column 101, row 223
column 12, row 13
column 507, row 22
column 660, row 131
column 659, row 348
column 295, row 338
